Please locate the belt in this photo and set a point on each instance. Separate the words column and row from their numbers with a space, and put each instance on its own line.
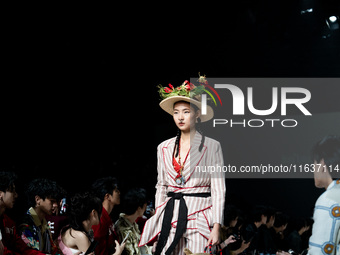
column 181, row 223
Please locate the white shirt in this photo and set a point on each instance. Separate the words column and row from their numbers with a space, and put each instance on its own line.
column 326, row 229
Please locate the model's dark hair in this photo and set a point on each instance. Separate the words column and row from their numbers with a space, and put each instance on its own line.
column 327, row 149
column 133, row 199
column 7, row 180
column 81, row 206
column 43, row 188
column 178, row 138
column 104, row 186
column 198, row 128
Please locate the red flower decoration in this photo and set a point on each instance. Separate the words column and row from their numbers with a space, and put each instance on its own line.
column 188, row 85
column 167, row 90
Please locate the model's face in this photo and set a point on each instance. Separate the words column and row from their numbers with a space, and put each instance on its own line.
column 321, row 175
column 8, row 198
column 185, row 116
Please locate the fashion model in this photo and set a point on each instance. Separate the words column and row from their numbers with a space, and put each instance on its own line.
column 189, row 204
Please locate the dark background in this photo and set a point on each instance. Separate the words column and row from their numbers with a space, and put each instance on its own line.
column 79, row 98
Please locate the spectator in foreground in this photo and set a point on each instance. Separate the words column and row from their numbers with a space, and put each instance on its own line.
column 294, row 239
column 250, row 234
column 10, row 240
column 85, row 211
column 266, row 243
column 42, row 198
column 134, row 206
column 106, row 189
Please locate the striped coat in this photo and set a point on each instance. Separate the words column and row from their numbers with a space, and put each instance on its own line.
column 202, row 212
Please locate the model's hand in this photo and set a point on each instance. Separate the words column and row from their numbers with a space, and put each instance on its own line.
column 214, row 237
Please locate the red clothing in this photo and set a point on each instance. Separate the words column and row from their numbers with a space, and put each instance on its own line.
column 13, row 244
column 105, row 234
column 56, row 224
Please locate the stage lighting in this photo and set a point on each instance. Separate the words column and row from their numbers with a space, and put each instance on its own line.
column 332, row 18
column 309, row 10
column 333, row 22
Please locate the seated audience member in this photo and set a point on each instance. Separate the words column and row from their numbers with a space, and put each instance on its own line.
column 257, row 218
column 106, row 190
column 325, row 237
column 265, row 238
column 42, row 197
column 10, row 240
column 240, row 245
column 294, row 240
column 58, row 219
column 134, row 206
column 231, row 214
column 227, row 231
column 85, row 211
column 305, row 236
column 280, row 224
column 150, row 211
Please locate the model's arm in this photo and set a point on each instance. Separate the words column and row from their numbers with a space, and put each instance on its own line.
column 161, row 186
column 218, row 190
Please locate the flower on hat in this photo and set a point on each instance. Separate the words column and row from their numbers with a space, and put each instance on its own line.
column 187, row 89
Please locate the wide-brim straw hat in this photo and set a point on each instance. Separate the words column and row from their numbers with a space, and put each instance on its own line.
column 168, row 106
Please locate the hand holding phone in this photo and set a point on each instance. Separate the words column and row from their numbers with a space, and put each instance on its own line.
column 126, row 237
column 92, row 247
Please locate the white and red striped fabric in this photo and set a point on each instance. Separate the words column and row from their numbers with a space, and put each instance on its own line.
column 202, row 212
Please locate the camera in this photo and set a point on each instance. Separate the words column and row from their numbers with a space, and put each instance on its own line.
column 236, row 236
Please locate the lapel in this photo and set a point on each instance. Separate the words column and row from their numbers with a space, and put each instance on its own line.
column 194, row 157
column 167, row 153
column 192, row 161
